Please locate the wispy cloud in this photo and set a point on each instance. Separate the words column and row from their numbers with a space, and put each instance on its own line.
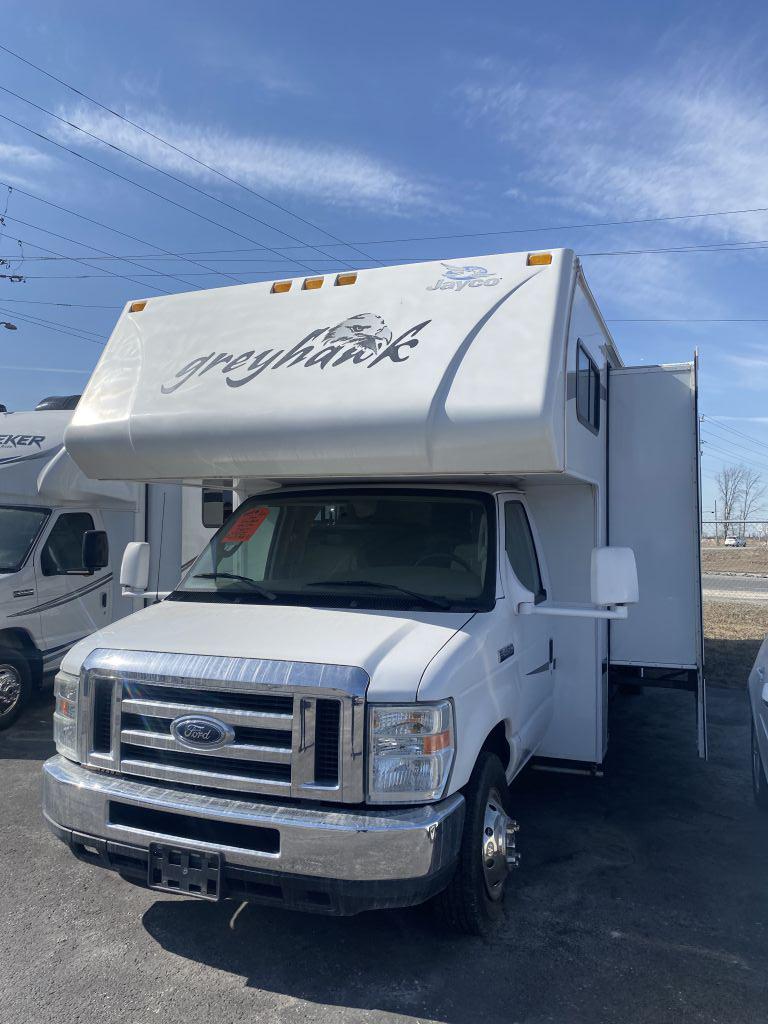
column 22, row 165
column 332, row 174
column 689, row 140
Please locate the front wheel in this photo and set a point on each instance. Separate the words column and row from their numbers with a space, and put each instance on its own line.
column 15, row 687
column 473, row 901
column 759, row 777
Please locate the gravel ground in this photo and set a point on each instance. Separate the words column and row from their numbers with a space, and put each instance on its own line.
column 733, row 632
column 751, row 559
column 642, row 899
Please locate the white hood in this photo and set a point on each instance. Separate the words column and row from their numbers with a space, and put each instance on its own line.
column 394, row 648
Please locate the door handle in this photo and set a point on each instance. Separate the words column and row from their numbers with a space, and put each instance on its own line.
column 23, row 593
column 552, row 659
column 104, row 599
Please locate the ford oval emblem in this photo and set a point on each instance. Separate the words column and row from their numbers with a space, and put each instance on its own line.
column 199, row 732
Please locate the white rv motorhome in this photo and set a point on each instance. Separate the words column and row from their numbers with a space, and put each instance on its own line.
column 442, row 472
column 49, row 599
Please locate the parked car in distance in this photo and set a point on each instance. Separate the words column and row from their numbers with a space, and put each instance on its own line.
column 758, row 698
column 735, row 542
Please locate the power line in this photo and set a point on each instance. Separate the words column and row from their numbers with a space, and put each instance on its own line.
column 704, row 247
column 740, row 446
column 87, row 245
column 189, row 156
column 735, row 455
column 104, row 271
column 55, row 323
column 68, row 305
column 109, row 227
column 712, row 421
column 50, row 325
column 160, row 170
column 145, row 188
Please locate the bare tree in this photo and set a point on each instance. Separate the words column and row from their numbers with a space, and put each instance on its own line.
column 730, row 486
column 752, row 494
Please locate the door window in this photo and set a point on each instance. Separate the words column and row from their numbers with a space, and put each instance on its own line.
column 63, row 551
column 521, row 550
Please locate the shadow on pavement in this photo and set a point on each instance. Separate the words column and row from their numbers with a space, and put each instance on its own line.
column 621, row 883
column 30, row 738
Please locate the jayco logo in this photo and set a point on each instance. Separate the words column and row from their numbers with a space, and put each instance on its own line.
column 456, row 278
column 362, row 340
column 21, row 440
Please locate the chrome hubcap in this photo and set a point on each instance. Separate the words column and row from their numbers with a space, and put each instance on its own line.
column 498, row 846
column 10, row 689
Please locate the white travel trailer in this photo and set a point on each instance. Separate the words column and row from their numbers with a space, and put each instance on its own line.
column 441, row 471
column 49, row 597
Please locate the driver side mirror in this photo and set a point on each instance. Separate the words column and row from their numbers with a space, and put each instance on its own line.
column 95, row 550
column 614, row 577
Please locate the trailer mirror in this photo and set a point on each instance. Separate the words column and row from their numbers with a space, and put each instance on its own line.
column 134, row 572
column 614, row 577
column 95, row 550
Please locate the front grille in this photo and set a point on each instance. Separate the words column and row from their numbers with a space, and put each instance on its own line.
column 102, row 717
column 327, row 717
column 291, row 730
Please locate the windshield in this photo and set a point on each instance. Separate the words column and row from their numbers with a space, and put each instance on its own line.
column 382, row 549
column 18, row 529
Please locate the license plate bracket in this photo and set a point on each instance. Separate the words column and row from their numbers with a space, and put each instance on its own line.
column 184, row 872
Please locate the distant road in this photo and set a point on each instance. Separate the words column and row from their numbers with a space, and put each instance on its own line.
column 735, row 588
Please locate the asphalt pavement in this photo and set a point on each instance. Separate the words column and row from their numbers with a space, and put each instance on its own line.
column 642, row 897
column 734, row 587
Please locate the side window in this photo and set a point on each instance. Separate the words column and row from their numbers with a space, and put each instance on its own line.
column 587, row 390
column 521, row 551
column 63, row 551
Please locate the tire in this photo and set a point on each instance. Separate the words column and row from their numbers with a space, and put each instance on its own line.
column 759, row 777
column 474, row 900
column 15, row 687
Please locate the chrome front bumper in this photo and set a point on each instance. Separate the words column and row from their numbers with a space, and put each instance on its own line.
column 384, row 857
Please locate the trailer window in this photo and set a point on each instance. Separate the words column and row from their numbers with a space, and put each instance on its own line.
column 521, row 550
column 63, row 551
column 587, row 390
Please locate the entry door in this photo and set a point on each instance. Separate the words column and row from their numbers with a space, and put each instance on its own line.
column 535, row 655
column 70, row 606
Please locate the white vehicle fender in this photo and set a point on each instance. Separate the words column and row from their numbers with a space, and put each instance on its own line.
column 467, row 670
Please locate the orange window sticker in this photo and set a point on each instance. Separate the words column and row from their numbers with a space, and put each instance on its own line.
column 246, row 525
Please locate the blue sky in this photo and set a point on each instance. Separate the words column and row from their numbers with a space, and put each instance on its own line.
column 396, row 121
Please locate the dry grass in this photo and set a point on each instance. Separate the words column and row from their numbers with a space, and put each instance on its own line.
column 752, row 558
column 733, row 632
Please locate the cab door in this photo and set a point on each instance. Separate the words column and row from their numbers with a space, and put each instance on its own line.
column 533, row 661
column 70, row 606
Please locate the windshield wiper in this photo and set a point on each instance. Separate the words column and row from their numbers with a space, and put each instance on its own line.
column 241, row 579
column 438, row 602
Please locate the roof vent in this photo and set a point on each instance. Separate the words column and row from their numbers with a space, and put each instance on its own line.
column 58, row 402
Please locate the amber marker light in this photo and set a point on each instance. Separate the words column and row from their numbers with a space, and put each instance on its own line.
column 136, row 307
column 539, row 259
column 281, row 286
column 311, row 283
column 346, row 278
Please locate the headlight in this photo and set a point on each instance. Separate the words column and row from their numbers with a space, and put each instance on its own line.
column 65, row 716
column 410, row 751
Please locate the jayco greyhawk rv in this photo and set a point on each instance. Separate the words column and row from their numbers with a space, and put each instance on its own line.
column 446, row 498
